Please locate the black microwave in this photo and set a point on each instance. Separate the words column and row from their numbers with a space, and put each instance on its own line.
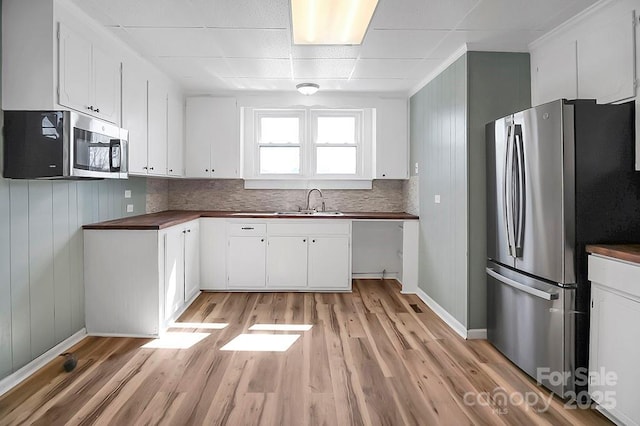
column 62, row 145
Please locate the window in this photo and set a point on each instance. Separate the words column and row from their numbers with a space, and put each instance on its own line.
column 279, row 141
column 308, row 144
column 336, row 139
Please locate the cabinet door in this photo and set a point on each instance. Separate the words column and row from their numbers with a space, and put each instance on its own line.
column 225, row 143
column 157, row 129
column 554, row 73
column 392, row 142
column 199, row 131
column 191, row 259
column 175, row 138
column 213, row 248
column 134, row 116
column 329, row 263
column 246, row 262
column 106, row 86
column 174, row 271
column 615, row 349
column 287, row 262
column 606, row 60
column 74, row 71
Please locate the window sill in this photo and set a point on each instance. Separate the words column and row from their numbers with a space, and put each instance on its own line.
column 307, row 183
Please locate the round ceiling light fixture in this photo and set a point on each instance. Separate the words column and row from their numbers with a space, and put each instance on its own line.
column 307, row 88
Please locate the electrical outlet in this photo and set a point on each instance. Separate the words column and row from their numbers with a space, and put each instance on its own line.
column 127, row 193
column 129, row 208
column 436, row 198
column 416, row 168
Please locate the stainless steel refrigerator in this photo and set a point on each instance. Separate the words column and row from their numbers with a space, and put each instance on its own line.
column 559, row 176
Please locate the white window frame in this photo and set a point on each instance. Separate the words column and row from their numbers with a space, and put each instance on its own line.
column 357, row 114
column 283, row 113
column 250, row 128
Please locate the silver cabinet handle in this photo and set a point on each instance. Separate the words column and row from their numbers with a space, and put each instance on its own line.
column 531, row 290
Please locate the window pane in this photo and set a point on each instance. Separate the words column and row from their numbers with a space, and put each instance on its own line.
column 336, row 160
column 336, row 130
column 285, row 160
column 280, row 130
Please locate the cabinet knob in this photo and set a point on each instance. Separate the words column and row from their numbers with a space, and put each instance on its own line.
column 97, row 109
column 313, row 241
column 144, row 168
column 384, row 174
column 213, row 170
column 304, row 241
column 90, row 107
column 171, row 170
column 188, row 230
column 206, row 170
column 262, row 240
column 150, row 168
column 184, row 231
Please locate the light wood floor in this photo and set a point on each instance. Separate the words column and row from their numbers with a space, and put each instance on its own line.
column 372, row 357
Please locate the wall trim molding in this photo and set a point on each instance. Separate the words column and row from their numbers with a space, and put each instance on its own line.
column 18, row 376
column 443, row 66
column 477, row 334
column 443, row 314
column 566, row 25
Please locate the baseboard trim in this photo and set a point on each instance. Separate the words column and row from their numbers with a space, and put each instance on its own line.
column 374, row 275
column 18, row 376
column 477, row 334
column 443, row 314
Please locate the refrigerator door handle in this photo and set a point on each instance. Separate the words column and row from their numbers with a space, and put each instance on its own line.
column 530, row 290
column 520, row 190
column 508, row 191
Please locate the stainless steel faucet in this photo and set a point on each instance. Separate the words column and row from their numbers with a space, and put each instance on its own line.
column 308, row 209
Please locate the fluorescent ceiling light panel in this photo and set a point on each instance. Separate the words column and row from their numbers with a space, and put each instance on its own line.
column 331, row 21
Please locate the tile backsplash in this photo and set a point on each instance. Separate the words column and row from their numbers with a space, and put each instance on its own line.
column 219, row 194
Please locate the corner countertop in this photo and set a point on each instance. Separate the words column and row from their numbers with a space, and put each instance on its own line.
column 165, row 219
column 627, row 252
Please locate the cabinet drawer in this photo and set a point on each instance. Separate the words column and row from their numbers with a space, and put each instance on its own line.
column 309, row 228
column 246, row 229
column 615, row 274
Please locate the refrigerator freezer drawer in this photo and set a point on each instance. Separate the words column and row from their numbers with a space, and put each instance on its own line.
column 532, row 325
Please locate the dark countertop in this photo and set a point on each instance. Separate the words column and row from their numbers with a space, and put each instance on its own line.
column 628, row 252
column 161, row 220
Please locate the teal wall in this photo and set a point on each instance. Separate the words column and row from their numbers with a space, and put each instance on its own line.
column 41, row 258
column 447, row 122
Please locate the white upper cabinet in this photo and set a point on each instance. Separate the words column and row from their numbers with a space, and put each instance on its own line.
column 175, row 131
column 157, row 129
column 554, row 73
column 606, row 60
column 88, row 78
column 593, row 57
column 212, row 138
column 392, row 141
column 134, row 116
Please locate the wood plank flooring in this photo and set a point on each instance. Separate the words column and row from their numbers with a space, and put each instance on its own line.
column 371, row 357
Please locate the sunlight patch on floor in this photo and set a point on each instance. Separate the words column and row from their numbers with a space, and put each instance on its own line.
column 204, row 325
column 261, row 342
column 280, row 327
column 176, row 340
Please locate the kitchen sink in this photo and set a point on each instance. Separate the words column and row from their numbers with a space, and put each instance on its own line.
column 331, row 213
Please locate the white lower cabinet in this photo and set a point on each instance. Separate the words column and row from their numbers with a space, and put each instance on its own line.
column 287, row 262
column 329, row 262
column 213, row 253
column 246, row 261
column 137, row 281
column 301, row 254
column 614, row 342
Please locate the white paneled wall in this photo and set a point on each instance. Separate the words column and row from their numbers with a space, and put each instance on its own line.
column 41, row 261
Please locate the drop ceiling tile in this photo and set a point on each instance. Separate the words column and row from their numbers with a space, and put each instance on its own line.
column 279, row 84
column 252, row 43
column 387, row 68
column 409, row 44
column 257, row 68
column 145, row 13
column 244, row 13
column 522, row 14
column 376, row 85
column 506, row 41
column 324, row 52
column 322, row 68
column 176, row 41
column 420, row 14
